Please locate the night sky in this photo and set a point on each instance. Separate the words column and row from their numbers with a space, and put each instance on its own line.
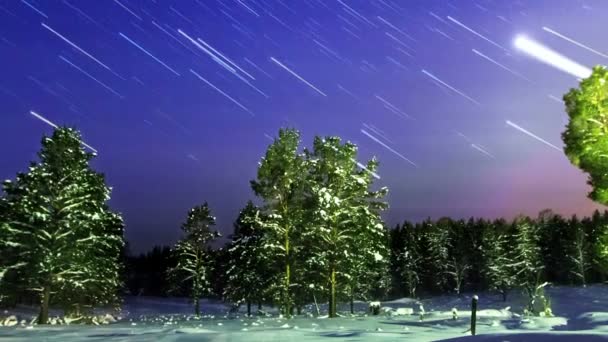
column 181, row 98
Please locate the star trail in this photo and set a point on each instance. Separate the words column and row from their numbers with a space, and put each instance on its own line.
column 181, row 98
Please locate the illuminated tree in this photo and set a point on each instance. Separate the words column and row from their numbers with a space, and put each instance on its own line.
column 193, row 259
column 586, row 135
column 65, row 238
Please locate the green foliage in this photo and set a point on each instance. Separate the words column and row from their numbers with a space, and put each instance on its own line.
column 60, row 229
column 193, row 261
column 586, row 136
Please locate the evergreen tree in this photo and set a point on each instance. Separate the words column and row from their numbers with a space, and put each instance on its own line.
column 193, row 259
column 67, row 240
column 527, row 258
column 498, row 270
column 346, row 215
column 555, row 233
column 460, row 252
column 434, row 251
column 409, row 259
column 280, row 181
column 247, row 270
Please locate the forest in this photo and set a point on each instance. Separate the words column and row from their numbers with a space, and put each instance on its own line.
column 315, row 236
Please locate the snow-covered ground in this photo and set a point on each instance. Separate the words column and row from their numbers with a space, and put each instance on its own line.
column 581, row 314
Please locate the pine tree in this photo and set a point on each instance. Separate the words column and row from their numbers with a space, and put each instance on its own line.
column 527, row 258
column 280, row 182
column 434, row 249
column 497, row 269
column 193, row 260
column 66, row 238
column 346, row 215
column 460, row 251
column 247, row 270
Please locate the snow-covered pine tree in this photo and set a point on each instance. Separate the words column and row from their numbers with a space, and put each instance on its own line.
column 247, row 272
column 280, row 184
column 497, row 269
column 67, row 240
column 527, row 259
column 346, row 214
column 193, row 260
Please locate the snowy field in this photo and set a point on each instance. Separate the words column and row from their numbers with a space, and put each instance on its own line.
column 581, row 314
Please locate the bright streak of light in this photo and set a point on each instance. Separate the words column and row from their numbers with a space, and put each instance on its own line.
column 50, row 123
column 366, row 169
column 357, row 13
column 392, row 106
column 392, row 60
column 478, row 148
column 395, row 28
column 501, row 65
column 148, row 53
column 34, row 8
column 519, row 128
column 205, row 50
column 438, row 17
column 297, row 76
column 556, row 99
column 225, row 58
column 79, row 49
column 404, row 52
column 221, row 92
column 450, row 87
column 574, row 42
column 91, row 77
column 476, row 33
column 387, row 147
column 332, row 52
column 127, row 9
column 550, row 57
column 248, row 8
column 255, row 66
column 378, row 132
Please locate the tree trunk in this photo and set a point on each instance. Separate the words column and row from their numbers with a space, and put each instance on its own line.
column 299, row 310
column 249, row 308
column 504, row 296
column 352, row 305
column 332, row 298
column 43, row 318
column 197, row 308
column 287, row 301
column 259, row 306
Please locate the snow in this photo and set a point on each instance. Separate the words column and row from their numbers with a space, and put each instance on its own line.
column 581, row 314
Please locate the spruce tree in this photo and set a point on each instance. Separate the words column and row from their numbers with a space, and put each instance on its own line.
column 193, row 259
column 66, row 239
